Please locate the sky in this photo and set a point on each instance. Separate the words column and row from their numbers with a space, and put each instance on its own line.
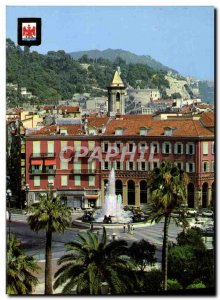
column 179, row 37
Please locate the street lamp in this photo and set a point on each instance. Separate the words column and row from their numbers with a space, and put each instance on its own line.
column 8, row 198
column 26, row 189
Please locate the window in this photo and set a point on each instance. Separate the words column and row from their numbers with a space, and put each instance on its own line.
column 77, row 179
column 118, row 145
column 105, row 147
column 77, row 145
column 205, row 148
column 63, row 131
column 130, row 147
column 190, row 148
column 130, row 166
column 119, row 131
column 36, row 147
column 166, row 148
column 205, row 166
column 51, row 179
column 118, row 165
column 50, row 147
column 91, row 145
column 143, row 131
column 142, row 147
column 91, row 166
column 143, row 166
column 36, row 180
column 63, row 164
column 190, row 167
column 77, row 167
column 178, row 148
column 154, row 148
column 91, row 180
column 64, row 180
column 107, row 165
column 179, row 165
column 167, row 131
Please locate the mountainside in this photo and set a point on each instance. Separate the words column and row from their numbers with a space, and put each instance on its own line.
column 56, row 75
column 206, row 89
column 127, row 56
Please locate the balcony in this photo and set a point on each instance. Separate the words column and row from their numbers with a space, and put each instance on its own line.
column 42, row 155
column 84, row 171
column 44, row 171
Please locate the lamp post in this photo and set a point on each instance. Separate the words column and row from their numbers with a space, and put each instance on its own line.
column 8, row 197
column 26, row 189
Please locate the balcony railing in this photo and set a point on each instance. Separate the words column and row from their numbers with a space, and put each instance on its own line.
column 43, row 171
column 84, row 171
column 42, row 155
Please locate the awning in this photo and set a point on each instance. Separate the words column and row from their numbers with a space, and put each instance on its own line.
column 50, row 162
column 91, row 197
column 36, row 162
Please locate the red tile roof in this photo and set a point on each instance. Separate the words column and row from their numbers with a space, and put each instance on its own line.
column 73, row 129
column 97, row 122
column 208, row 119
column 181, row 127
column 68, row 109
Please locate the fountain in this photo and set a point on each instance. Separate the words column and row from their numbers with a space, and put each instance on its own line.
column 113, row 205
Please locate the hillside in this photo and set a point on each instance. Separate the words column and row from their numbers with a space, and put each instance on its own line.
column 127, row 56
column 56, row 75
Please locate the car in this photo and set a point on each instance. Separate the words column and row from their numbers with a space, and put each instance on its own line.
column 207, row 213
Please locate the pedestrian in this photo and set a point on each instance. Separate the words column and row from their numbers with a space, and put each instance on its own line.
column 124, row 227
column 132, row 228
column 91, row 226
column 9, row 216
column 129, row 228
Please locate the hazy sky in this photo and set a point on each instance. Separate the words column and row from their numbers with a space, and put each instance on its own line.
column 179, row 37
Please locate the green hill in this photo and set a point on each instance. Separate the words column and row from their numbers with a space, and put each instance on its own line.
column 127, row 56
column 57, row 75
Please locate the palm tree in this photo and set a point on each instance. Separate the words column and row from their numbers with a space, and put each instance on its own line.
column 168, row 191
column 53, row 216
column 20, row 269
column 90, row 262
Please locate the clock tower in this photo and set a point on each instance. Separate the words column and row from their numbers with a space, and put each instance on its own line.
column 116, row 95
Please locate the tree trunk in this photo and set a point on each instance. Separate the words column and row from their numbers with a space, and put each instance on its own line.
column 48, row 263
column 165, row 252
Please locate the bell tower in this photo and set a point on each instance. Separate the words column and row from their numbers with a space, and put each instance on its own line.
column 116, row 93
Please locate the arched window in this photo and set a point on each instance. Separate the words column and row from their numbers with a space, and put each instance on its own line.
column 131, row 192
column 204, row 194
column 143, row 192
column 190, row 190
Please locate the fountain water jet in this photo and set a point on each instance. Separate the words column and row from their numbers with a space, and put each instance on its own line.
column 113, row 205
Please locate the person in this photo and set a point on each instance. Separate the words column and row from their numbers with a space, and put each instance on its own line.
column 91, row 226
column 129, row 228
column 124, row 227
column 9, row 216
column 132, row 228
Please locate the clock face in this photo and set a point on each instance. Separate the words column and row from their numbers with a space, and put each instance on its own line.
column 29, row 31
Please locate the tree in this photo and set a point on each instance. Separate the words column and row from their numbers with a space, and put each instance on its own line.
column 191, row 260
column 90, row 262
column 53, row 216
column 143, row 254
column 20, row 270
column 168, row 192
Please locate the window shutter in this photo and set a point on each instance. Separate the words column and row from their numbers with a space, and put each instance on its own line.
column 187, row 167
column 193, row 167
column 163, row 148
column 205, row 148
column 109, row 165
column 170, row 148
column 134, row 165
column 103, row 147
column 207, row 166
column 187, row 148
column 121, row 165
column 127, row 165
column 181, row 148
column 175, row 148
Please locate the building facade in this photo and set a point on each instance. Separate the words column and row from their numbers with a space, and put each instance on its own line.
column 77, row 159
